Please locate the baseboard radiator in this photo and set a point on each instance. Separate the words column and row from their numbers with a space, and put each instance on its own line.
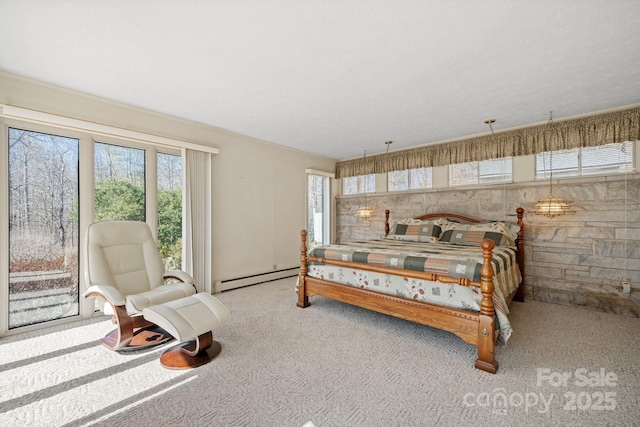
column 254, row 279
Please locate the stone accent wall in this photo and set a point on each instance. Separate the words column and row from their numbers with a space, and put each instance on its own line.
column 576, row 259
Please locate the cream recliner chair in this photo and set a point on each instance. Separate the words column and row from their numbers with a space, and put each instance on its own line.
column 125, row 268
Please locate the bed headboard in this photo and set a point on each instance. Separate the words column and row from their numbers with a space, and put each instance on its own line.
column 435, row 215
column 451, row 216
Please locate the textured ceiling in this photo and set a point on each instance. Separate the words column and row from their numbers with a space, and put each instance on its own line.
column 336, row 78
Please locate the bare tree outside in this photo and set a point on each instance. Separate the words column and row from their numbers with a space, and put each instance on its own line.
column 483, row 172
column 170, row 210
column 409, row 179
column 398, row 180
column 359, row 184
column 43, row 216
column 119, row 183
column 317, row 187
column 43, row 227
column 421, row 178
column 169, row 171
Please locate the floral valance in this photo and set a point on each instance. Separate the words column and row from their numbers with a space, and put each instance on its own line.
column 600, row 129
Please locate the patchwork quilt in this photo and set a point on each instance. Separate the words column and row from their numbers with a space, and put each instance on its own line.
column 457, row 261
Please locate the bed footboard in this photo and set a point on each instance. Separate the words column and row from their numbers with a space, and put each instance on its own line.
column 474, row 328
column 303, row 298
column 486, row 321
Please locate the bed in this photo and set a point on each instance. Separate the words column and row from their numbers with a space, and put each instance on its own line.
column 444, row 270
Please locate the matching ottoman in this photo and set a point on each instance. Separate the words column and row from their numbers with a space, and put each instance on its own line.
column 192, row 319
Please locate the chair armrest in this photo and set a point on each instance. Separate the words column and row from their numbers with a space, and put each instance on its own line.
column 110, row 293
column 180, row 275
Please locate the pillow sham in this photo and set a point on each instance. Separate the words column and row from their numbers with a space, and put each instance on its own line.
column 502, row 233
column 415, row 231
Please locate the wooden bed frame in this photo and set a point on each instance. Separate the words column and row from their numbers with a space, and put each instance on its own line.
column 474, row 328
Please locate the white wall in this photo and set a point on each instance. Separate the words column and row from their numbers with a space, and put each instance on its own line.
column 258, row 187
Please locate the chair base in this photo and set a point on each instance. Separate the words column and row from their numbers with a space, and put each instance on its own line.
column 182, row 357
column 143, row 338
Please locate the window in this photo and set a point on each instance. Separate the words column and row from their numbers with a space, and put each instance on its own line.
column 483, row 172
column 170, row 210
column 603, row 159
column 410, row 179
column 40, row 273
column 318, row 208
column 43, row 227
column 119, row 183
column 359, row 184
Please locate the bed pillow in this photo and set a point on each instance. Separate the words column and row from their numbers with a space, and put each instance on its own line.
column 502, row 233
column 414, row 230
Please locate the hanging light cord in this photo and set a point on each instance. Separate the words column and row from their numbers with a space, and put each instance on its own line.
column 550, row 161
column 364, row 158
column 626, row 275
column 504, row 167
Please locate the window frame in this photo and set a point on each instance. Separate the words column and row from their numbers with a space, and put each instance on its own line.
column 5, row 244
column 544, row 173
column 86, row 207
column 327, row 205
column 508, row 178
column 361, row 187
column 410, row 185
column 177, row 153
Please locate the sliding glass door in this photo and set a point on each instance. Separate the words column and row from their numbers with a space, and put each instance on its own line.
column 43, row 227
column 40, row 177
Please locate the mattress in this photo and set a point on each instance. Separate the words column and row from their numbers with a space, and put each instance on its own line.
column 459, row 261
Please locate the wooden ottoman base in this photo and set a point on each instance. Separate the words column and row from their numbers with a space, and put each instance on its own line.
column 190, row 320
column 142, row 339
column 187, row 356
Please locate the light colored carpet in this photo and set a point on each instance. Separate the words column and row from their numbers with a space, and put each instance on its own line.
column 331, row 364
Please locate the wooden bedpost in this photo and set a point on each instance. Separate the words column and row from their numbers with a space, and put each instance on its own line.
column 486, row 327
column 303, row 299
column 386, row 223
column 519, row 296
